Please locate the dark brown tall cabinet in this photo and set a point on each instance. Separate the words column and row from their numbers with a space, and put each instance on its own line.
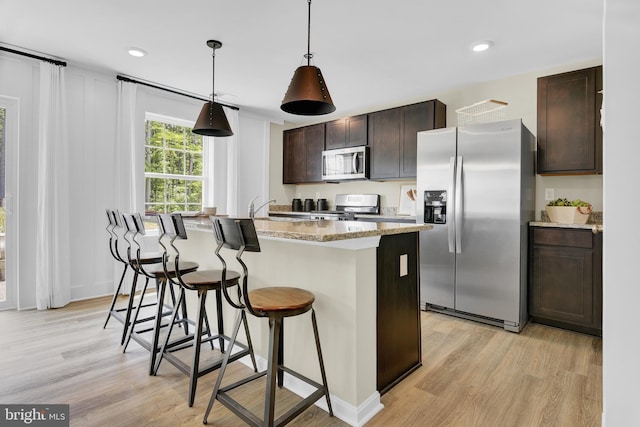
column 393, row 139
column 302, row 154
column 569, row 132
column 565, row 278
column 347, row 132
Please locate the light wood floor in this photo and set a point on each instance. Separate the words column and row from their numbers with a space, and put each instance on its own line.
column 472, row 375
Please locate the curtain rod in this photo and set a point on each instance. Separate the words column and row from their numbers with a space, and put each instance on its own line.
column 130, row 80
column 30, row 55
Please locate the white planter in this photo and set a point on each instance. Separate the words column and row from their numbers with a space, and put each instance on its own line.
column 568, row 214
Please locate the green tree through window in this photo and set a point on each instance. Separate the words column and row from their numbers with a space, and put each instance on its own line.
column 173, row 168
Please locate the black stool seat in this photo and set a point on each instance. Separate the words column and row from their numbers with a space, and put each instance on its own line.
column 149, row 258
column 184, row 267
column 209, row 279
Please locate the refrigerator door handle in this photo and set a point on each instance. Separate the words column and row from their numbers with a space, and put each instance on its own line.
column 451, row 230
column 458, row 205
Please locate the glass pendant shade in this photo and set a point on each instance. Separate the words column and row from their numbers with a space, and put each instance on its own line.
column 307, row 94
column 212, row 121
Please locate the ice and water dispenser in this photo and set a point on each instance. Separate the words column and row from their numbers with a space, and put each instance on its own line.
column 435, row 207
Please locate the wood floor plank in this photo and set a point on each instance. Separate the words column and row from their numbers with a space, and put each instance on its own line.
column 472, row 375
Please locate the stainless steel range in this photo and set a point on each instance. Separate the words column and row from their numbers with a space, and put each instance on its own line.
column 348, row 205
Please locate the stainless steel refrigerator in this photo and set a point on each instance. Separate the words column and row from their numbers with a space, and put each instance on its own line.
column 476, row 185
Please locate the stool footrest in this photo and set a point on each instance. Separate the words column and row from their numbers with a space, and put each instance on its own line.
column 185, row 368
column 117, row 312
column 250, row 418
column 136, row 335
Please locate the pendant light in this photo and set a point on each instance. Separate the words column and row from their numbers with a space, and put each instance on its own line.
column 212, row 121
column 307, row 94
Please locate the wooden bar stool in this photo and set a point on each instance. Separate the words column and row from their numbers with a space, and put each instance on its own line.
column 156, row 271
column 201, row 281
column 275, row 303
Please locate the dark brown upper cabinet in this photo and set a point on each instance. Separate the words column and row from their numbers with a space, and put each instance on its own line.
column 347, row 132
column 302, row 154
column 393, row 137
column 569, row 132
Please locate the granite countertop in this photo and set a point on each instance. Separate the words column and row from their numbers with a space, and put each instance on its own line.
column 596, row 228
column 319, row 230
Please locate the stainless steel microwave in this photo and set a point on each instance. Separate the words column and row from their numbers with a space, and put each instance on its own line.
column 345, row 163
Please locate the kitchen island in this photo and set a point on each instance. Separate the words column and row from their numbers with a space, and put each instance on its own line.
column 346, row 264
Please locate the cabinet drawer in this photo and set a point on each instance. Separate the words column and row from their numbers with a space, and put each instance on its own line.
column 560, row 237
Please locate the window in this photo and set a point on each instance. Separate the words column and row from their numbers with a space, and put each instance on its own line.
column 173, row 166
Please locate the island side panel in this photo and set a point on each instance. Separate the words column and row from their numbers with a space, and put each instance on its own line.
column 398, row 307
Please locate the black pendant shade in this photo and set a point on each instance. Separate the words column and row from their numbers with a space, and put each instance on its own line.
column 212, row 121
column 307, row 94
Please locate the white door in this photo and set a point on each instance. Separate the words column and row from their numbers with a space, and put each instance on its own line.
column 8, row 203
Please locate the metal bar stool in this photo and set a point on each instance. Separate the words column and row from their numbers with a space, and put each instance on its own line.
column 276, row 303
column 156, row 271
column 113, row 218
column 201, row 281
column 116, row 224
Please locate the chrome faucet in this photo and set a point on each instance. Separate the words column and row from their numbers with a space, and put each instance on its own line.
column 253, row 209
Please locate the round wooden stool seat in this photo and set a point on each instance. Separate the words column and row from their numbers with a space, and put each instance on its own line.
column 209, row 279
column 285, row 300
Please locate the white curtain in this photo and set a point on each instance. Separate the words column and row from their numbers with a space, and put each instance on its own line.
column 127, row 172
column 127, row 166
column 221, row 182
column 52, row 265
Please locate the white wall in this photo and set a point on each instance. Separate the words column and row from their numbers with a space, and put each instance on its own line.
column 253, row 168
column 621, row 342
column 521, row 94
column 91, row 103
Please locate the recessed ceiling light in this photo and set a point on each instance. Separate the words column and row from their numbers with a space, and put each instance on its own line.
column 137, row 52
column 481, row 46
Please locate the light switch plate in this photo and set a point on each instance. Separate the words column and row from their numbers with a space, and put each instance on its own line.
column 404, row 265
column 549, row 194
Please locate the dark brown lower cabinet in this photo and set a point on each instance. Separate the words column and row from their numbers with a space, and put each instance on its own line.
column 398, row 309
column 565, row 278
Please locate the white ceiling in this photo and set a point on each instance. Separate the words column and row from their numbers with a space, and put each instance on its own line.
column 372, row 53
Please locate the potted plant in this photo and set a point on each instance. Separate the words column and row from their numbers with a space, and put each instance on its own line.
column 564, row 211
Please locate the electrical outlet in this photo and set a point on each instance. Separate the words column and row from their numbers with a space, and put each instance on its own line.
column 549, row 194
